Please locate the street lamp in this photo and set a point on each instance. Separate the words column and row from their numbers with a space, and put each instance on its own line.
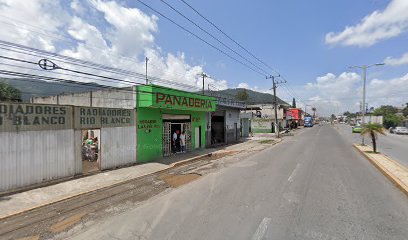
column 365, row 67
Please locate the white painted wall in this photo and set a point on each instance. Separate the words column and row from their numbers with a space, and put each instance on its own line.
column 31, row 157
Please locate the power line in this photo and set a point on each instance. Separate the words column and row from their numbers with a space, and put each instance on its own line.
column 200, row 38
column 87, row 64
column 212, row 36
column 226, row 35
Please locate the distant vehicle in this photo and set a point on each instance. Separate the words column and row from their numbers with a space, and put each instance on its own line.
column 399, row 130
column 357, row 129
column 308, row 122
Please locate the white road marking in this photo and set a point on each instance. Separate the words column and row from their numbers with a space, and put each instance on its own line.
column 290, row 179
column 260, row 232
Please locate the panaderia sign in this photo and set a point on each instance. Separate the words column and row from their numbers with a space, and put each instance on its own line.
column 183, row 101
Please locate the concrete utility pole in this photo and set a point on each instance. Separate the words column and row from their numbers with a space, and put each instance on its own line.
column 365, row 67
column 275, row 102
column 203, row 75
column 147, row 81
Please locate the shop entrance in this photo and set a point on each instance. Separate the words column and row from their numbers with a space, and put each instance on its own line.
column 172, row 129
column 90, row 151
column 217, row 130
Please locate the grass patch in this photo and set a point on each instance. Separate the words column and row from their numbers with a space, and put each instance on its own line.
column 268, row 141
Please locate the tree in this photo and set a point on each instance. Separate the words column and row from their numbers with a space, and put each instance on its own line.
column 391, row 120
column 294, row 103
column 314, row 112
column 385, row 110
column 405, row 111
column 9, row 93
column 372, row 130
column 242, row 95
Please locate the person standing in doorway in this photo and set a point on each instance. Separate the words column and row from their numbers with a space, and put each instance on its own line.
column 173, row 142
column 183, row 141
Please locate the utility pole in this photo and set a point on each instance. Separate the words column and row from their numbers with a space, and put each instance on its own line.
column 364, row 68
column 147, row 81
column 203, row 75
column 275, row 102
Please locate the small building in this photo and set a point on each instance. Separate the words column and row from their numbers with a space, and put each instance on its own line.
column 162, row 112
column 263, row 117
column 225, row 121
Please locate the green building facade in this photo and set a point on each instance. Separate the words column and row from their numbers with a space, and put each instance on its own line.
column 161, row 112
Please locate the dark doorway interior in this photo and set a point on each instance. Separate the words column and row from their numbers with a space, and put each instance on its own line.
column 217, row 130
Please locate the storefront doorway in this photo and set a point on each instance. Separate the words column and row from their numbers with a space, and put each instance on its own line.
column 217, row 130
column 90, row 150
column 173, row 126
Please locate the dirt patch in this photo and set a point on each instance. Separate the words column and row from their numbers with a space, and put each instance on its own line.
column 30, row 238
column 178, row 180
column 68, row 222
column 267, row 141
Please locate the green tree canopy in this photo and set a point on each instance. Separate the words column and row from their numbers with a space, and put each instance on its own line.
column 391, row 120
column 294, row 103
column 9, row 93
column 242, row 95
column 405, row 111
column 385, row 110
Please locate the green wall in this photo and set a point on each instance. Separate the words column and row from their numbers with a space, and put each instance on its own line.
column 152, row 102
column 150, row 131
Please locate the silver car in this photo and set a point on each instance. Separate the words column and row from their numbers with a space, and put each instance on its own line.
column 400, row 130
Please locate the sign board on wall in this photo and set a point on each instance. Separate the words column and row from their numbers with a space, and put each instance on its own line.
column 16, row 117
column 167, row 98
column 34, row 117
column 90, row 117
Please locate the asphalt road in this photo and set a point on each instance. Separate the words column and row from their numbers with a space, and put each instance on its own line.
column 393, row 145
column 311, row 186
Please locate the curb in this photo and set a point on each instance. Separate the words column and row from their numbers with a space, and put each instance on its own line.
column 173, row 165
column 395, row 180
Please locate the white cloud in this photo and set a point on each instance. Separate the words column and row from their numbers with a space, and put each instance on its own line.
column 397, row 61
column 337, row 94
column 333, row 94
column 388, row 92
column 121, row 39
column 21, row 18
column 379, row 25
column 243, row 85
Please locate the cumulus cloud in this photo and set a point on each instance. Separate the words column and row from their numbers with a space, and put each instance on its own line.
column 21, row 18
column 337, row 94
column 333, row 94
column 243, row 85
column 116, row 36
column 378, row 26
column 397, row 61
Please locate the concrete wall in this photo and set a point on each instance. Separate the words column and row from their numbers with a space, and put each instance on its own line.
column 118, row 147
column 232, row 118
column 108, row 98
column 245, row 127
column 267, row 111
column 30, row 157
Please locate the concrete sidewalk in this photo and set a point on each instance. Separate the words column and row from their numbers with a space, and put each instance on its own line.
column 20, row 202
column 393, row 170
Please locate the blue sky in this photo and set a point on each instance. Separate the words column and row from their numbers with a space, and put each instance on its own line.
column 311, row 43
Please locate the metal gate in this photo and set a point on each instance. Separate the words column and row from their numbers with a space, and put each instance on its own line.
column 167, row 139
column 187, row 128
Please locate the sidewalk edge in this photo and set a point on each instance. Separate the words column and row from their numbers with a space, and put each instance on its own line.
column 196, row 158
column 395, row 180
